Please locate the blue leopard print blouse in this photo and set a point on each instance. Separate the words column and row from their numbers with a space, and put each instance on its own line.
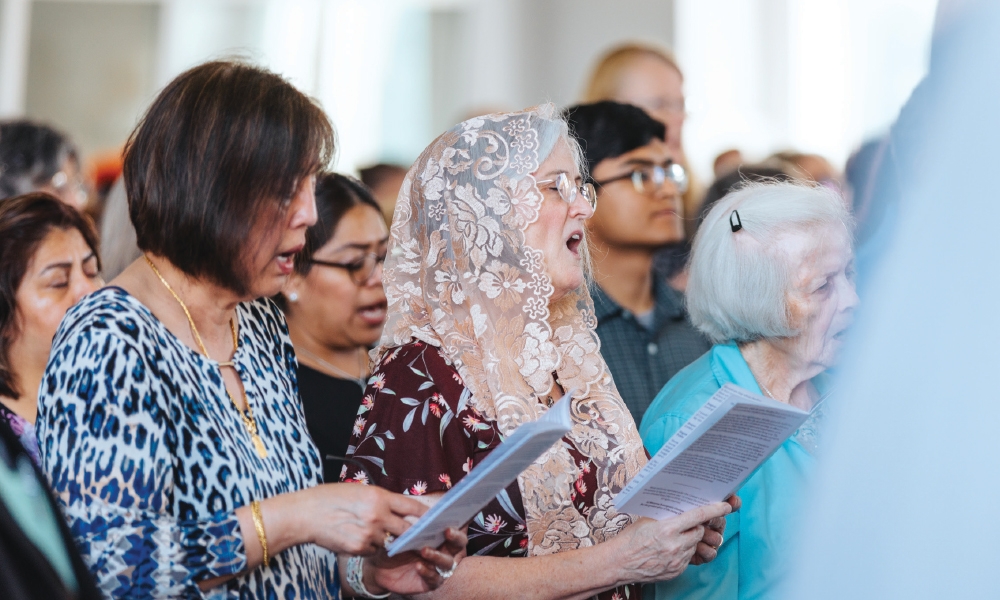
column 150, row 459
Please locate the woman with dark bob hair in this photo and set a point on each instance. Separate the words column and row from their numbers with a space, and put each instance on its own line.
column 169, row 418
column 48, row 261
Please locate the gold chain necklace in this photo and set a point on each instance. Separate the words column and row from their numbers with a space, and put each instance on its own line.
column 247, row 415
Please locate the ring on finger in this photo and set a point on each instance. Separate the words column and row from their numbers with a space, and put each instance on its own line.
column 721, row 539
column 389, row 538
column 448, row 573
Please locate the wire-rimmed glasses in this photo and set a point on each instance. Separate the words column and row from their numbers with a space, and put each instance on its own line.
column 569, row 191
column 652, row 177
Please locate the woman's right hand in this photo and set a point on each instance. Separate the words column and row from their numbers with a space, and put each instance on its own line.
column 351, row 518
column 651, row 550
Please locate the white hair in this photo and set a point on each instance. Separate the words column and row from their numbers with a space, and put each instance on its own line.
column 739, row 281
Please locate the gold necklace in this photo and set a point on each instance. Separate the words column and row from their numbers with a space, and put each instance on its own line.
column 247, row 415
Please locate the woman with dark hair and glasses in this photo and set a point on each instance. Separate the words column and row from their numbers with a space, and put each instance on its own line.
column 48, row 261
column 169, row 417
column 335, row 307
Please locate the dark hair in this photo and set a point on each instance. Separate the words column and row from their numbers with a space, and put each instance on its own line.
column 335, row 195
column 672, row 259
column 609, row 129
column 375, row 175
column 731, row 181
column 30, row 155
column 219, row 150
column 24, row 223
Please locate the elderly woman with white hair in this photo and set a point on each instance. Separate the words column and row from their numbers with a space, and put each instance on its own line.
column 771, row 284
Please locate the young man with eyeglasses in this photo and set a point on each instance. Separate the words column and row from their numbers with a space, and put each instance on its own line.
column 645, row 333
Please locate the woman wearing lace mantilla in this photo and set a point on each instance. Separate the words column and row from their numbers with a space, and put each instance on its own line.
column 489, row 319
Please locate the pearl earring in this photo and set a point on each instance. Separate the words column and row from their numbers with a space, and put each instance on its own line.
column 293, row 297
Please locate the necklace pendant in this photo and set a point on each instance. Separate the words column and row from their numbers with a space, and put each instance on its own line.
column 258, row 444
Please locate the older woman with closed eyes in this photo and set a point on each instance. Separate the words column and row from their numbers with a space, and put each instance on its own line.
column 772, row 285
column 48, row 261
column 489, row 322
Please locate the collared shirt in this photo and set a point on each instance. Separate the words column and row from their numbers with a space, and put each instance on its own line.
column 752, row 563
column 642, row 360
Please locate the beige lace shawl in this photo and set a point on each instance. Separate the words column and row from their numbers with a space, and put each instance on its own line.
column 459, row 276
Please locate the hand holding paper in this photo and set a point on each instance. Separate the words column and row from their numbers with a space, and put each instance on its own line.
column 711, row 455
column 489, row 478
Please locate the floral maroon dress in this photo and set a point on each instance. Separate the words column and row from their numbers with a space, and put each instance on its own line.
column 417, row 434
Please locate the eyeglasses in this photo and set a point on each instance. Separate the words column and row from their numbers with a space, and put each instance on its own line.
column 677, row 106
column 62, row 183
column 568, row 190
column 360, row 271
column 651, row 178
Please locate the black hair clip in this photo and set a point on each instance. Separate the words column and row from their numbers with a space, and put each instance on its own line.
column 736, row 224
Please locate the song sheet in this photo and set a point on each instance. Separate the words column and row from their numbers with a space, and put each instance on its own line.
column 498, row 470
column 711, row 455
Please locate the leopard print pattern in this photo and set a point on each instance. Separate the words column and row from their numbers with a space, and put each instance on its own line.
column 150, row 459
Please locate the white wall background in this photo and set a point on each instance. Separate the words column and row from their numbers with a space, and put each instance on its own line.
column 765, row 75
column 761, row 75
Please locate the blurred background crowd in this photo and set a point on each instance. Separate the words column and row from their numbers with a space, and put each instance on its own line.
column 761, row 77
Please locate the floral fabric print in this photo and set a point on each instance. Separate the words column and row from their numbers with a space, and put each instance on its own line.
column 417, row 433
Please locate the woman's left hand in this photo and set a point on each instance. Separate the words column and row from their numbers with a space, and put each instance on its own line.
column 416, row 572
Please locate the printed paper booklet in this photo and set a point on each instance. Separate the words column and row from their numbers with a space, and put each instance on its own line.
column 711, row 455
column 498, row 470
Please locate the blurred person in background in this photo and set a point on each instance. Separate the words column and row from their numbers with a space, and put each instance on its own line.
column 771, row 284
column 649, row 77
column 490, row 321
column 170, row 423
column 335, row 307
column 866, row 181
column 807, row 167
column 48, row 262
column 727, row 162
column 384, row 180
column 734, row 179
column 38, row 158
column 103, row 171
column 645, row 334
column 118, row 242
column 678, row 255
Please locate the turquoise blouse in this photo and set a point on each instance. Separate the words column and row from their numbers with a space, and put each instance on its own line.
column 754, row 558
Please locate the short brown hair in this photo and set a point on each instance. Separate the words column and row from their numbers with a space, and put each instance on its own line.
column 24, row 223
column 221, row 147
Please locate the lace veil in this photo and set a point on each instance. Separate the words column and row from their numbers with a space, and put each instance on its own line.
column 459, row 276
